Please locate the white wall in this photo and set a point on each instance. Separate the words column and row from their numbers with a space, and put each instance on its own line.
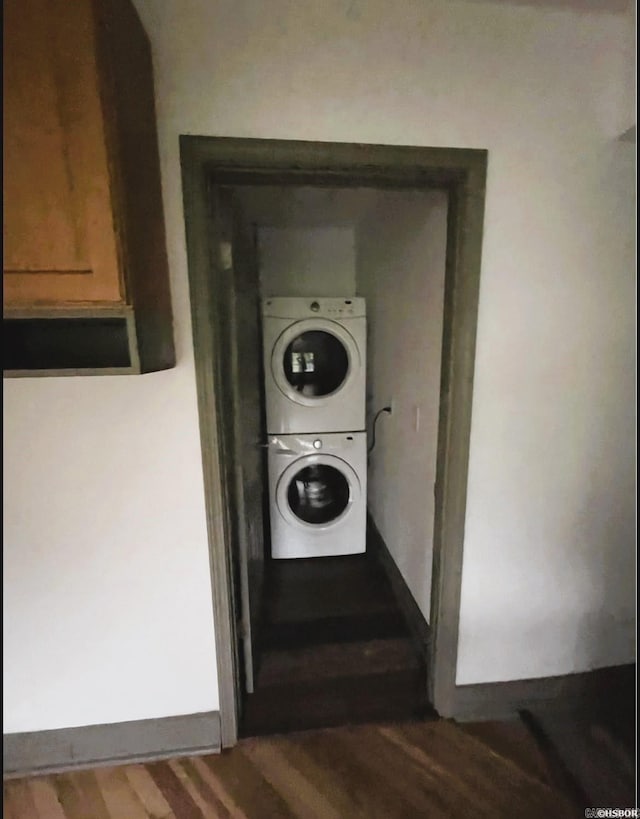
column 316, row 261
column 401, row 249
column 107, row 609
column 548, row 582
column 554, row 389
column 549, row 547
column 625, row 116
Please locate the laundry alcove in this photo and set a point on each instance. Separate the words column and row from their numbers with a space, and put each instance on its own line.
column 391, row 237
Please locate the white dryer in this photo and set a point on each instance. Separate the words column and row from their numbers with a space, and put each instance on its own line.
column 314, row 364
column 318, row 494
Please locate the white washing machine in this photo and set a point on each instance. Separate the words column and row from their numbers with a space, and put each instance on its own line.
column 318, row 494
column 314, row 364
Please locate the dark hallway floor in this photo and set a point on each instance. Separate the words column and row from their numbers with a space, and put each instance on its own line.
column 335, row 649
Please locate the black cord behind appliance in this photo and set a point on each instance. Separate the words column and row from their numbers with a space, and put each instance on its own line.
column 373, row 432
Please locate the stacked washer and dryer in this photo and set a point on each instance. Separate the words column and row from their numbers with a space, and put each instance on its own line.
column 315, row 376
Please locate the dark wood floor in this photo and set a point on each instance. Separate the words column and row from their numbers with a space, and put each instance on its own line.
column 433, row 769
column 336, row 649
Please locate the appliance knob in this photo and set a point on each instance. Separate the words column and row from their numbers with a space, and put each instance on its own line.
column 314, row 306
column 317, row 444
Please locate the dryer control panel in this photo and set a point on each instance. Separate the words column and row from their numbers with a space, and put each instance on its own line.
column 343, row 308
column 298, row 307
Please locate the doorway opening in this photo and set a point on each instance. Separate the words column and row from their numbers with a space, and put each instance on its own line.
column 398, row 229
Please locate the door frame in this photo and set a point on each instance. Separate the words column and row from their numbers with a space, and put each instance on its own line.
column 208, row 161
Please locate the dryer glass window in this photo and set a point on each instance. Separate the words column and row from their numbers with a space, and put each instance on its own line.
column 316, row 363
column 318, row 494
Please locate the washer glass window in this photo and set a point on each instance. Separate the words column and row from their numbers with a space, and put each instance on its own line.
column 316, row 363
column 318, row 494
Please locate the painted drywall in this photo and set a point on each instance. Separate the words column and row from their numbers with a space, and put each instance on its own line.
column 401, row 250
column 552, row 471
column 620, row 107
column 316, row 261
column 629, row 95
column 550, row 544
column 305, row 237
column 302, row 206
column 107, row 608
column 553, row 411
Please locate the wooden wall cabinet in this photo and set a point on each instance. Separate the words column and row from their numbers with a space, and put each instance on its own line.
column 85, row 278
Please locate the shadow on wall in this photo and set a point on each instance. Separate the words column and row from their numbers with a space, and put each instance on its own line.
column 606, row 518
column 607, row 628
column 400, row 263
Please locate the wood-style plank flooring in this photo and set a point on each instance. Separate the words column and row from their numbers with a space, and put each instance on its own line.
column 391, row 771
column 335, row 649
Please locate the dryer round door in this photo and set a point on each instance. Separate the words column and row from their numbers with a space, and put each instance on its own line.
column 314, row 360
column 317, row 492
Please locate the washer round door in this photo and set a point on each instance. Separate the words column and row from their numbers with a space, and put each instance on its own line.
column 314, row 360
column 317, row 492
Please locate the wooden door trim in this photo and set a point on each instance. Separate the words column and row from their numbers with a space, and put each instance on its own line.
column 462, row 172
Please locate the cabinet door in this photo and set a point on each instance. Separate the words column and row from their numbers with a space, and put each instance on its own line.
column 60, row 242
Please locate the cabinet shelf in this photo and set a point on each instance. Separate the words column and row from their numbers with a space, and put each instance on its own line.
column 86, row 282
column 72, row 342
